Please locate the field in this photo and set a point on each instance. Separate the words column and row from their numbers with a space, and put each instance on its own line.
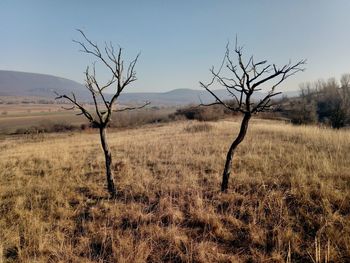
column 24, row 117
column 288, row 199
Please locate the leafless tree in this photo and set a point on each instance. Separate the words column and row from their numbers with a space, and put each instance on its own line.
column 104, row 105
column 244, row 79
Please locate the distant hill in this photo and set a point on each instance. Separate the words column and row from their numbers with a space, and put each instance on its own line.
column 184, row 96
column 173, row 97
column 14, row 83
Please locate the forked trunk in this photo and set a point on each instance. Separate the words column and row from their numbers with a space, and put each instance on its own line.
column 108, row 159
column 231, row 151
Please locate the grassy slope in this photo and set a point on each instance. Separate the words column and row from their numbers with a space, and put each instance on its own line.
column 290, row 186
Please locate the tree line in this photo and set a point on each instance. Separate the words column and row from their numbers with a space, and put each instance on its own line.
column 324, row 101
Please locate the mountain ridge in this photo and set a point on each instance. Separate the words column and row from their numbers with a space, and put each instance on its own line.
column 26, row 84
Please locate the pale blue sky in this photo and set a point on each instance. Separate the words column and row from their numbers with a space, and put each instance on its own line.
column 178, row 40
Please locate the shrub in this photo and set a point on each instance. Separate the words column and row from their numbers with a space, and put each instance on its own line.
column 47, row 127
column 212, row 113
column 139, row 117
column 199, row 127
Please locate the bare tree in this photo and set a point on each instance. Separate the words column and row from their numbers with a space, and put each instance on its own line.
column 334, row 101
column 243, row 81
column 104, row 105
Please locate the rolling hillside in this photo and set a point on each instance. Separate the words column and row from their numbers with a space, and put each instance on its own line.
column 23, row 84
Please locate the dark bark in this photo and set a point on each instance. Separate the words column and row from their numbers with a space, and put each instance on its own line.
column 108, row 161
column 231, row 151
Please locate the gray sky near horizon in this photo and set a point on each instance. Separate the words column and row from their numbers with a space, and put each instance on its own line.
column 178, row 40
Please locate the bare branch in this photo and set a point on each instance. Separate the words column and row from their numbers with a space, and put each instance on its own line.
column 264, row 103
column 286, row 71
column 247, row 78
column 133, row 108
column 89, row 84
column 234, row 96
column 214, row 95
column 95, row 51
column 73, row 100
column 112, row 59
column 209, row 104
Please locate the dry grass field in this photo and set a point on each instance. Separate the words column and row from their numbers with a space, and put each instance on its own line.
column 289, row 194
column 19, row 116
column 16, row 116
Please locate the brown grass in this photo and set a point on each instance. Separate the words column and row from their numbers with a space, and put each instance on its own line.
column 26, row 116
column 23, row 118
column 291, row 186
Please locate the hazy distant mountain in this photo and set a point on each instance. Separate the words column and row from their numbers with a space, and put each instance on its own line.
column 13, row 83
column 185, row 96
column 173, row 97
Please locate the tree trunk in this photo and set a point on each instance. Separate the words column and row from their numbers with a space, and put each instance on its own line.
column 108, row 159
column 231, row 151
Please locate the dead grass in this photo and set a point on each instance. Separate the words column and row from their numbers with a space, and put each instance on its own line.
column 290, row 186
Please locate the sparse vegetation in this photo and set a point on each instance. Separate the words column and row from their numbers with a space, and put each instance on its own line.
column 47, row 127
column 291, row 188
column 138, row 118
column 213, row 113
column 133, row 162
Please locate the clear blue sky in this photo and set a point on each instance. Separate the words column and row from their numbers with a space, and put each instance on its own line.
column 178, row 40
